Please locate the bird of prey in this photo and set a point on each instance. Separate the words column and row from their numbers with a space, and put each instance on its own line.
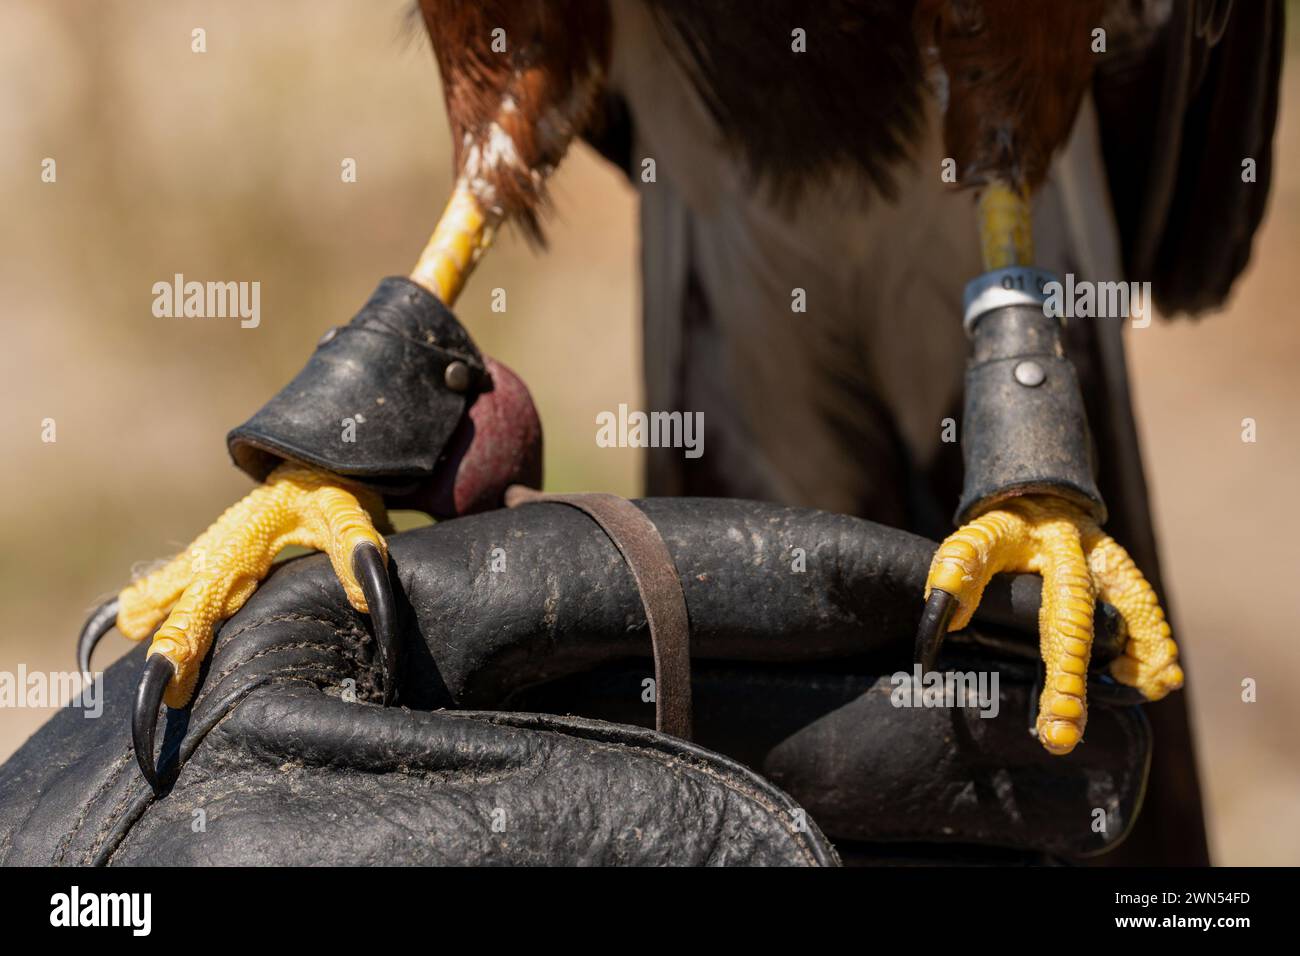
column 864, row 159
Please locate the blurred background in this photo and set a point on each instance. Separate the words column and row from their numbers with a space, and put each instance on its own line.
column 226, row 166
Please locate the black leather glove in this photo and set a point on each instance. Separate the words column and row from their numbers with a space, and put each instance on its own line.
column 292, row 763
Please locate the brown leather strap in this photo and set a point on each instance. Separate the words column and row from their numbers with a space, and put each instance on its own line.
column 652, row 567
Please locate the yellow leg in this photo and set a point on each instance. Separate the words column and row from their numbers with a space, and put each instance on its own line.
column 461, row 237
column 1006, row 226
column 213, row 578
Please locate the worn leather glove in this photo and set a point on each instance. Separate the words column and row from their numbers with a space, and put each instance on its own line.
column 284, row 735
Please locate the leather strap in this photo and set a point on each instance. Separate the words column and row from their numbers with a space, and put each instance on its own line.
column 652, row 567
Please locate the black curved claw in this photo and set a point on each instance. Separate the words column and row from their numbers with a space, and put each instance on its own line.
column 368, row 566
column 97, row 625
column 158, row 672
column 939, row 609
column 1035, row 693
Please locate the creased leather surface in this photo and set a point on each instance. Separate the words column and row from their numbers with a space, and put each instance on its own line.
column 790, row 678
column 292, row 775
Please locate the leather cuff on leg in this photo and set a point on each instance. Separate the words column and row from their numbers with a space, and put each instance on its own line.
column 1024, row 428
column 379, row 399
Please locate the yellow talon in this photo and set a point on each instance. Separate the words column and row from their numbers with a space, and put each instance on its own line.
column 210, row 580
column 1050, row 536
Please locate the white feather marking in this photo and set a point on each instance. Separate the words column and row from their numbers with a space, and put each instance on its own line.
column 495, row 150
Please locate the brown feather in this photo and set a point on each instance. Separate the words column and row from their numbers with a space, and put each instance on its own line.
column 540, row 92
column 1017, row 71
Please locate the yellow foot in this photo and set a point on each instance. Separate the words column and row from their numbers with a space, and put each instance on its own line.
column 1050, row 536
column 212, row 578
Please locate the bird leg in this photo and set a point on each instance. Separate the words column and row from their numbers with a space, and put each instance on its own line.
column 462, row 235
column 1006, row 226
column 513, row 110
column 1054, row 534
column 297, row 505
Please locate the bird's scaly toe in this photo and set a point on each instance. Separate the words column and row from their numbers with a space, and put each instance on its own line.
column 1150, row 658
column 213, row 578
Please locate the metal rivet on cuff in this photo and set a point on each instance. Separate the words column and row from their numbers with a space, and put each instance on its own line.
column 1030, row 374
column 457, row 376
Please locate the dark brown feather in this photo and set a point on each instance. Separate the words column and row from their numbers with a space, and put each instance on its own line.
column 1016, row 71
column 1178, row 114
column 851, row 101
